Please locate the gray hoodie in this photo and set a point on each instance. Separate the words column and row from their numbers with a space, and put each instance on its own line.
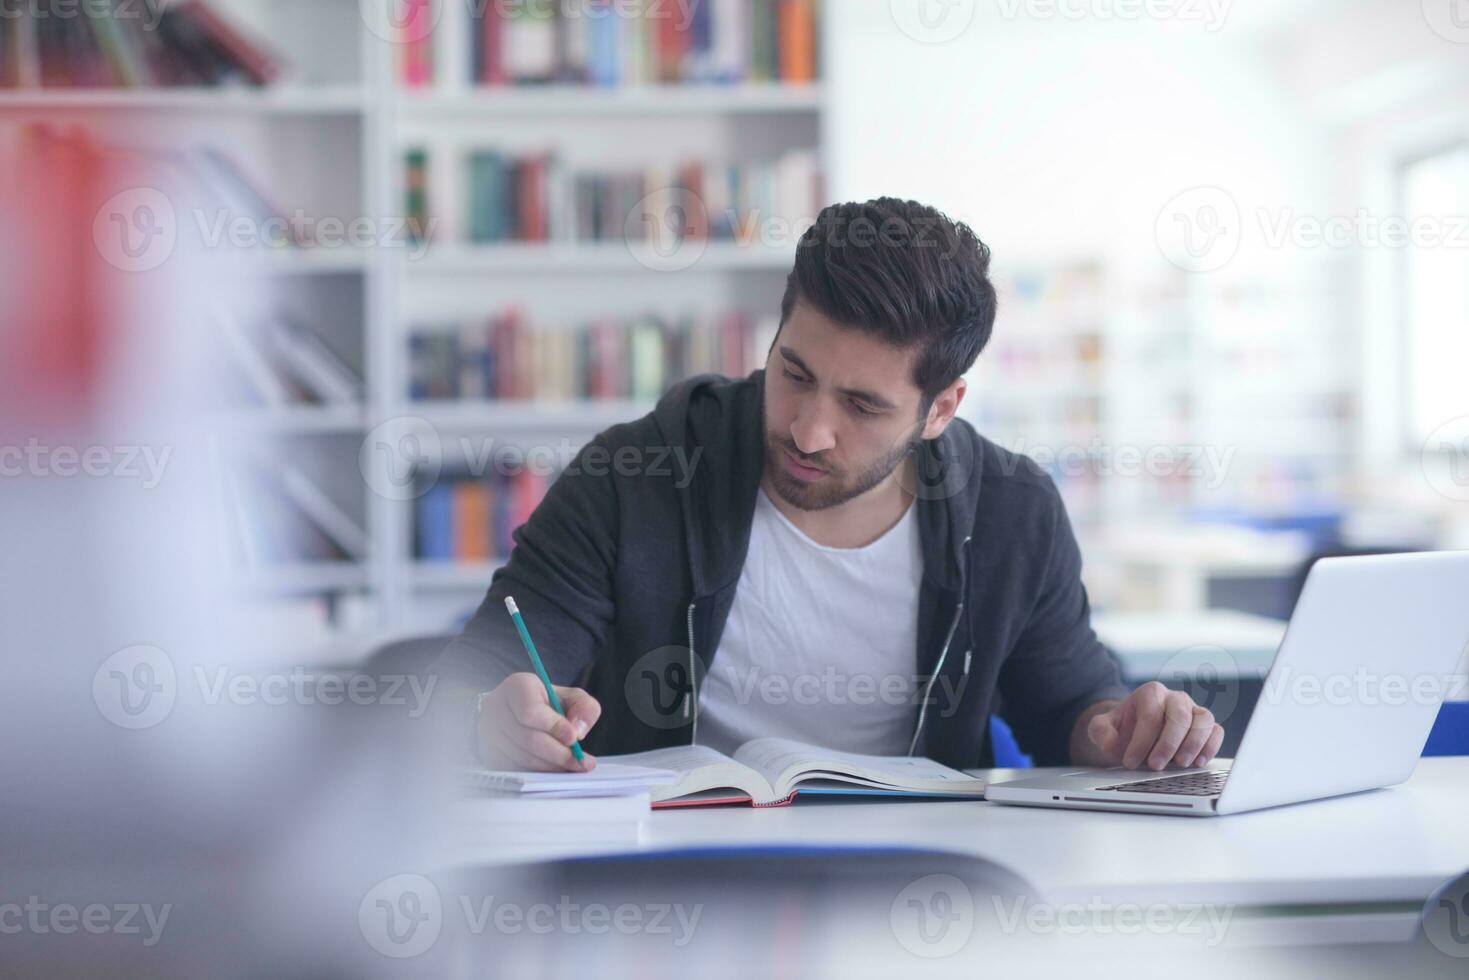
column 626, row 572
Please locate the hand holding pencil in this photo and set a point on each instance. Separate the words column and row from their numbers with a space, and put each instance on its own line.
column 527, row 723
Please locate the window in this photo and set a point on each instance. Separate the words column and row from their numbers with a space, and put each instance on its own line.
column 1435, row 196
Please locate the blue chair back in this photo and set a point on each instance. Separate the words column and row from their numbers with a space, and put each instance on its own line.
column 1007, row 750
column 1450, row 734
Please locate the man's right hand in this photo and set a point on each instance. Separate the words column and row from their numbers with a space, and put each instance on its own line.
column 518, row 728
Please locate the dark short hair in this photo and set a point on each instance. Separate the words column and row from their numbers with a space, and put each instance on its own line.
column 904, row 272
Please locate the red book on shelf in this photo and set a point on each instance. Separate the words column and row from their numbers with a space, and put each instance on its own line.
column 691, row 179
column 528, row 488
column 672, row 45
column 492, row 46
column 417, row 39
column 500, row 346
column 532, row 194
column 733, row 341
column 603, row 369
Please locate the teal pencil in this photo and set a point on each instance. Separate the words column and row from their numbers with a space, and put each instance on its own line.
column 535, row 660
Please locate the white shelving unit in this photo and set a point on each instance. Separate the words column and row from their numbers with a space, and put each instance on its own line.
column 633, row 127
column 609, row 257
column 330, row 141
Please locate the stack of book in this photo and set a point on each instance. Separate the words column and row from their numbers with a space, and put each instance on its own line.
column 538, row 198
column 471, row 519
column 636, row 359
column 610, row 43
column 130, row 44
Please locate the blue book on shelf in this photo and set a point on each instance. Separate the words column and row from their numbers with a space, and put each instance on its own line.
column 418, row 367
column 436, row 523
column 602, row 49
column 701, row 42
column 500, row 528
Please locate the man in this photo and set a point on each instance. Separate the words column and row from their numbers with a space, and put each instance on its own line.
column 820, row 551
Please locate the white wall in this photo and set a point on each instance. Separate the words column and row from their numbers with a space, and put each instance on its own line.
column 1059, row 138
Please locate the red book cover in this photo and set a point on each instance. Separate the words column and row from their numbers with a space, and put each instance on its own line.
column 673, row 44
column 500, row 340
column 417, row 43
column 492, row 40
column 533, row 199
column 529, row 487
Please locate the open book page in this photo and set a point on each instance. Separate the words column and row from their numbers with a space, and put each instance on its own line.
column 699, row 768
column 784, row 763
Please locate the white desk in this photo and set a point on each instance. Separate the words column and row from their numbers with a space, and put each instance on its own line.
column 1374, row 857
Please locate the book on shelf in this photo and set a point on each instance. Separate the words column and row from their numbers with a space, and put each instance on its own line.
column 725, row 42
column 538, row 198
column 279, row 517
column 134, row 44
column 633, row 359
column 345, row 533
column 470, row 519
column 415, row 189
column 415, row 19
column 312, row 362
column 282, row 362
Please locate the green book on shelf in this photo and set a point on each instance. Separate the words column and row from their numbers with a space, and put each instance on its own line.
column 489, row 197
column 121, row 52
column 646, row 360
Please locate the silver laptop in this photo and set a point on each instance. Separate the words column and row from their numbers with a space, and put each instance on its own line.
column 1371, row 651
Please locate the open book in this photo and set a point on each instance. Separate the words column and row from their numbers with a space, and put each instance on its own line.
column 770, row 771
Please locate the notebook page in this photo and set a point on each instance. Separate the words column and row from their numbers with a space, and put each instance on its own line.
column 607, row 778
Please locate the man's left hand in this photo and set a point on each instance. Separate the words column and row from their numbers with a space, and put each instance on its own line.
column 1155, row 726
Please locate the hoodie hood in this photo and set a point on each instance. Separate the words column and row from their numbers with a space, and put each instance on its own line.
column 718, row 425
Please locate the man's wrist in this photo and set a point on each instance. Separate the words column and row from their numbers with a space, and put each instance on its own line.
column 469, row 708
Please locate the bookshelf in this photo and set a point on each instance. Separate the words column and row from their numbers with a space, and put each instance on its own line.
column 341, row 100
column 1244, row 399
column 306, row 141
column 556, row 282
column 330, row 138
column 573, row 101
column 515, row 259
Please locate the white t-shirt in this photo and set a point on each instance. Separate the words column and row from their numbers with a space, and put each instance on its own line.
column 821, row 643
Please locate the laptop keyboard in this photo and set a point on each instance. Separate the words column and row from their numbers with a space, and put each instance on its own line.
column 1187, row 784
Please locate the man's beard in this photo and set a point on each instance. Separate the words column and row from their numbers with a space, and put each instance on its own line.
column 830, row 490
